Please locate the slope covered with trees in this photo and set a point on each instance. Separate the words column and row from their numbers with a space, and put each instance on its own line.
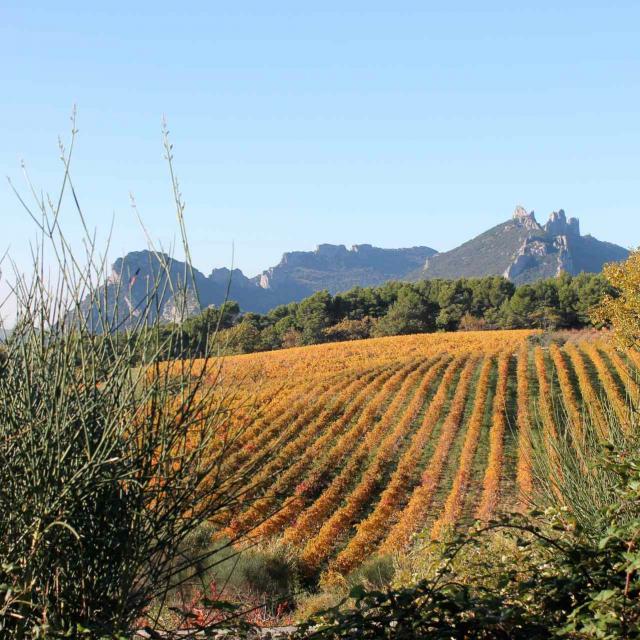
column 397, row 309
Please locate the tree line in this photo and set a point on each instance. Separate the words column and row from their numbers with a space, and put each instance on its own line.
column 395, row 308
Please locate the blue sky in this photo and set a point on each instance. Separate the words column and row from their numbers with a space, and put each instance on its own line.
column 296, row 123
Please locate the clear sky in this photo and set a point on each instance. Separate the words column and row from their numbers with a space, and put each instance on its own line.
column 295, row 123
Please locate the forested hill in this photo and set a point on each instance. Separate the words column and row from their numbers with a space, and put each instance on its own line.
column 397, row 308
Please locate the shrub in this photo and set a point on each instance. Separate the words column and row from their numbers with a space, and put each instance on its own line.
column 105, row 469
column 376, row 573
column 264, row 576
column 312, row 605
column 348, row 329
column 292, row 338
column 470, row 322
column 587, row 486
column 270, row 572
column 619, row 308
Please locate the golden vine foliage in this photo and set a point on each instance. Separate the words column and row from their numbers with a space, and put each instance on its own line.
column 332, row 417
column 493, row 474
column 611, row 390
column 624, row 371
column 317, row 549
column 360, row 446
column 316, row 514
column 568, row 392
column 373, row 528
column 524, row 477
column 324, row 457
column 455, row 499
column 591, row 400
column 413, row 515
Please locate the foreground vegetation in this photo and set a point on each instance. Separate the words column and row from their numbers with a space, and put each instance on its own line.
column 106, row 471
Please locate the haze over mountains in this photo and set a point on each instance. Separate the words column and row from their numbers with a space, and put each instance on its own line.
column 520, row 249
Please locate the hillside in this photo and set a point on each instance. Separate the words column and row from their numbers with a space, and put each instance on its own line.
column 380, row 440
column 524, row 251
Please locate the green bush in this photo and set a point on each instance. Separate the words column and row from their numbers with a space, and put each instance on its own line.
column 265, row 574
column 375, row 573
column 105, row 469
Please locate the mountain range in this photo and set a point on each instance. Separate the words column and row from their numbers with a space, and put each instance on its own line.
column 519, row 249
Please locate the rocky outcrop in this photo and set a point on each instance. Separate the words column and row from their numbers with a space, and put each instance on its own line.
column 526, row 258
column 551, row 253
column 336, row 268
column 526, row 219
column 180, row 292
column 560, row 248
column 559, row 225
column 524, row 251
column 565, row 258
column 181, row 305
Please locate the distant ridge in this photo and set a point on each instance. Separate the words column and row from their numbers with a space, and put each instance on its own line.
column 519, row 249
column 336, row 268
column 296, row 276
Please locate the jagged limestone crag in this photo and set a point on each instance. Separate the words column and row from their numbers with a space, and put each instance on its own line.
column 524, row 251
column 520, row 249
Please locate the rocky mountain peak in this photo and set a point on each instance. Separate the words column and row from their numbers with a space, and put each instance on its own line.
column 524, row 251
column 520, row 212
column 525, row 218
column 336, row 268
column 559, row 225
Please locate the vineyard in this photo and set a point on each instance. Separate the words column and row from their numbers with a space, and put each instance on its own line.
column 375, row 442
